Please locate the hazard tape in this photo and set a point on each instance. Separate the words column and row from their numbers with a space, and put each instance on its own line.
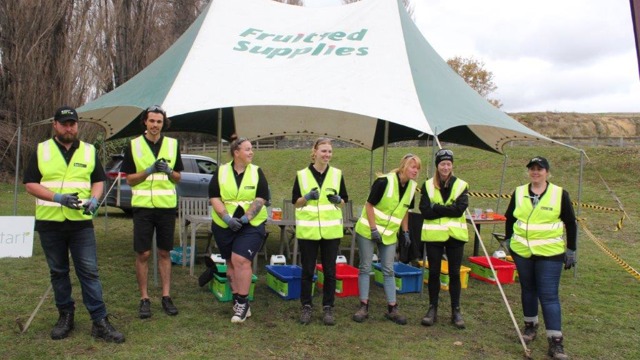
column 574, row 203
column 633, row 272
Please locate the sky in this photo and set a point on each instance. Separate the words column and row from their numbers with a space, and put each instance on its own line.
column 545, row 55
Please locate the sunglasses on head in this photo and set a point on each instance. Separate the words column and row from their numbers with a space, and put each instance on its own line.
column 156, row 109
column 444, row 152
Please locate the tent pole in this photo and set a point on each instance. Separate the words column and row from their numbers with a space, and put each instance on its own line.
column 386, row 144
column 219, row 155
column 504, row 169
column 575, row 268
column 371, row 169
column 15, row 184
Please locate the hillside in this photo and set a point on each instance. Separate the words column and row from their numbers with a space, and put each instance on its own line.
column 554, row 124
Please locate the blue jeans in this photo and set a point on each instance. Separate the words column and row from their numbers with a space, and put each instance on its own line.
column 386, row 254
column 82, row 245
column 540, row 281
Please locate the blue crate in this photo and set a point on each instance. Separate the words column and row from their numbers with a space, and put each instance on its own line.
column 285, row 280
column 408, row 278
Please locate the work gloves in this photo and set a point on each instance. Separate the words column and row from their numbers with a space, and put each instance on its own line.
column 90, row 207
column 376, row 237
column 162, row 166
column 234, row 224
column 314, row 194
column 244, row 219
column 334, row 199
column 569, row 259
column 68, row 200
column 407, row 239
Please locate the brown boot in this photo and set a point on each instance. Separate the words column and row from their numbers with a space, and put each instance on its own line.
column 530, row 332
column 556, row 350
column 395, row 316
column 362, row 314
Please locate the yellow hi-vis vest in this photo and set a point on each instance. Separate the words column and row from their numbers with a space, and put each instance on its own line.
column 232, row 196
column 389, row 212
column 60, row 177
column 539, row 230
column 319, row 219
column 157, row 190
column 439, row 230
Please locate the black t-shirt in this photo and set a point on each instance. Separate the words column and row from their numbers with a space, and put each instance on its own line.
column 261, row 192
column 32, row 174
column 129, row 166
column 379, row 187
column 296, row 194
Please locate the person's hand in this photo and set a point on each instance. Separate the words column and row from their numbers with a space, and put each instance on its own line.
column 234, row 224
column 334, row 199
column 569, row 259
column 162, row 166
column 314, row 194
column 151, row 169
column 407, row 238
column 376, row 237
column 68, row 200
column 244, row 219
column 91, row 206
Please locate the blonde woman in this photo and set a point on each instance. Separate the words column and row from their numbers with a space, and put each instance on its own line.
column 385, row 213
column 318, row 194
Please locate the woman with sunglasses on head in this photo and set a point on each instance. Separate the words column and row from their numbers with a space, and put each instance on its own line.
column 384, row 215
column 537, row 216
column 444, row 231
column 319, row 192
column 238, row 191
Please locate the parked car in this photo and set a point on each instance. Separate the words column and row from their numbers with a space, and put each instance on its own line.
column 194, row 180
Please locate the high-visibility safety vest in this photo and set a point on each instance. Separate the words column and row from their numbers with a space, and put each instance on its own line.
column 60, row 177
column 439, row 230
column 232, row 196
column 389, row 212
column 319, row 219
column 157, row 190
column 539, row 230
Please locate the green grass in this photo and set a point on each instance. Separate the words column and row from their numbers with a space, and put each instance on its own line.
column 600, row 305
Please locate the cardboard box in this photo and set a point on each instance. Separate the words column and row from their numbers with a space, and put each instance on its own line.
column 444, row 275
column 407, row 278
column 480, row 270
column 346, row 280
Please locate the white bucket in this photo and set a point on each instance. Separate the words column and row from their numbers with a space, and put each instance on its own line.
column 341, row 259
column 278, row 260
column 217, row 258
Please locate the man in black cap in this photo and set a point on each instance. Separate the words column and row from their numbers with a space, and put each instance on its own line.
column 66, row 177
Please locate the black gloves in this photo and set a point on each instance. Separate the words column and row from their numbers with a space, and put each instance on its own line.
column 334, row 199
column 376, row 237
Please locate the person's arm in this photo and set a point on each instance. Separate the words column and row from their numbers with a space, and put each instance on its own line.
column 456, row 209
column 39, row 191
column 343, row 190
column 128, row 166
column 296, row 195
column 371, row 217
column 568, row 217
column 508, row 225
column 425, row 206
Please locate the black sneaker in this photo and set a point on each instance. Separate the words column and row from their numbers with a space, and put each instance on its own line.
column 241, row 312
column 102, row 329
column 63, row 327
column 145, row 309
column 168, row 306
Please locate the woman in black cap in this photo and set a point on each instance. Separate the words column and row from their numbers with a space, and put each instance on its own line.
column 443, row 204
column 534, row 229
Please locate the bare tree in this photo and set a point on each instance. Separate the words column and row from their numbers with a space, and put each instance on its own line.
column 476, row 76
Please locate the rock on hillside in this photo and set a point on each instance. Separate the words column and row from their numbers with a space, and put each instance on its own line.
column 554, row 124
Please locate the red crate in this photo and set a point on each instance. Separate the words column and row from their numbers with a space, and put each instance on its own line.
column 480, row 269
column 346, row 280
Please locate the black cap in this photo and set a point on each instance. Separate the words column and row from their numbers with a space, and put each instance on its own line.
column 540, row 161
column 65, row 113
column 444, row 154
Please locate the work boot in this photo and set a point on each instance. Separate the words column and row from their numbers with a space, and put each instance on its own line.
column 63, row 327
column 102, row 329
column 328, row 318
column 530, row 332
column 456, row 318
column 556, row 350
column 305, row 315
column 144, row 312
column 431, row 317
column 362, row 314
column 168, row 307
column 394, row 315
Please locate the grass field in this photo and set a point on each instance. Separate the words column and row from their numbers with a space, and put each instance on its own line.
column 600, row 304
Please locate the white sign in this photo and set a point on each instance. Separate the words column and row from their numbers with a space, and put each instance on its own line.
column 16, row 236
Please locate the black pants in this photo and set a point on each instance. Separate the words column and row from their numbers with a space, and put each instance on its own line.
column 308, row 256
column 454, row 250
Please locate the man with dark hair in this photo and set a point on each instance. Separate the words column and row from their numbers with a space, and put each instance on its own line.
column 66, row 177
column 152, row 163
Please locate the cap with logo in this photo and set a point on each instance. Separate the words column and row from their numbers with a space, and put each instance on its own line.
column 540, row 161
column 65, row 113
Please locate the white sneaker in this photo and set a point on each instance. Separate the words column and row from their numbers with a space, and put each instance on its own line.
column 241, row 313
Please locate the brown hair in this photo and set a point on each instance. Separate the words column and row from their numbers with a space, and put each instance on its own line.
column 166, row 122
column 318, row 142
column 235, row 145
column 404, row 163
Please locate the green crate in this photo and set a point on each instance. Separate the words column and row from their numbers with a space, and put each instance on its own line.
column 222, row 290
